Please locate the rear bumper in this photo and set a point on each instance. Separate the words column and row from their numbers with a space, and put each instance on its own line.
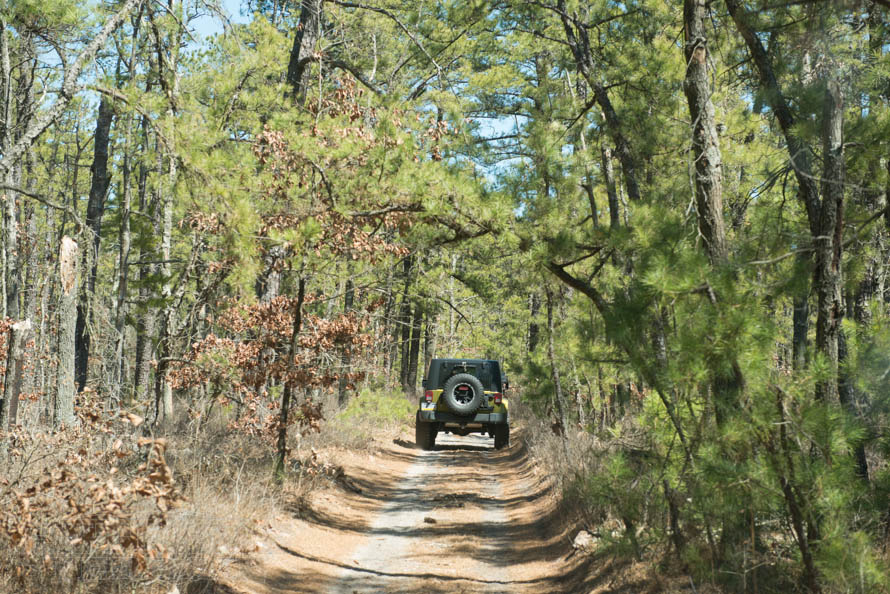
column 435, row 416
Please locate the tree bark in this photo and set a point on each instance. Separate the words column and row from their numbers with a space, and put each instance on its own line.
column 389, row 335
column 847, row 396
column 268, row 283
column 705, row 144
column 429, row 342
column 31, row 297
column 345, row 360
column 800, row 325
column 63, row 403
column 287, row 392
column 120, row 310
column 403, row 328
column 708, row 172
column 302, row 53
column 559, row 397
column 587, row 184
column 414, row 352
column 169, row 81
column 611, row 192
column 147, row 324
column 827, row 277
column 11, row 178
column 19, row 334
column 534, row 306
column 799, row 156
column 90, row 263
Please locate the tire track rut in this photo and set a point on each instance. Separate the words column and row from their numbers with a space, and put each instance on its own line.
column 460, row 518
column 398, row 550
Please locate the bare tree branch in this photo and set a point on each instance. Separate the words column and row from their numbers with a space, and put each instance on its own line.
column 69, row 87
column 115, row 94
column 401, row 25
column 44, row 201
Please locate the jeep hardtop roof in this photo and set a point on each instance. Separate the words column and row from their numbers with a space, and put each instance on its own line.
column 488, row 371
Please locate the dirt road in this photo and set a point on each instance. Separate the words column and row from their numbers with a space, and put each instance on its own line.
column 461, row 518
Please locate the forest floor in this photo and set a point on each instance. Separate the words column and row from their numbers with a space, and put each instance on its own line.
column 461, row 518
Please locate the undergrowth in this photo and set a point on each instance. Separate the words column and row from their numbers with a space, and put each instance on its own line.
column 115, row 506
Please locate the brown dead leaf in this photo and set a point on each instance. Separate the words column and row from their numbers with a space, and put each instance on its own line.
column 135, row 420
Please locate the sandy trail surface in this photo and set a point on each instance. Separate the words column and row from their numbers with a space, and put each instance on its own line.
column 461, row 518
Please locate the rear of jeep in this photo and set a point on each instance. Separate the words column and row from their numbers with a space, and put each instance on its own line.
column 463, row 396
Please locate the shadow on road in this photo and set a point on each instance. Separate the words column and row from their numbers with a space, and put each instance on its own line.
column 520, row 526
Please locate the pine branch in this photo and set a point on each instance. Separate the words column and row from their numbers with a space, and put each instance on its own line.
column 579, row 285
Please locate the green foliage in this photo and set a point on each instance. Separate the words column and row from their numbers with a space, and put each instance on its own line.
column 377, row 407
column 448, row 160
column 45, row 14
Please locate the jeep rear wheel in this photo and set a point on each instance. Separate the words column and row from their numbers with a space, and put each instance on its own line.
column 463, row 393
column 424, row 434
column 501, row 436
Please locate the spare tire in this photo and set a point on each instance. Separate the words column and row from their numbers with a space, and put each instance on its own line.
column 463, row 393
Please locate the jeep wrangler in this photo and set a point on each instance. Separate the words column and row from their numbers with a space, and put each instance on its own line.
column 463, row 396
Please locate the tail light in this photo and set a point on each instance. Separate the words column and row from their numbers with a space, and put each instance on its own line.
column 428, row 395
column 498, row 397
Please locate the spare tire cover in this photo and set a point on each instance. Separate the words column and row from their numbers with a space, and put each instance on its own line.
column 463, row 393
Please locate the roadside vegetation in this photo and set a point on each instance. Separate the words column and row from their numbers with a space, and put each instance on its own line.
column 110, row 506
column 221, row 254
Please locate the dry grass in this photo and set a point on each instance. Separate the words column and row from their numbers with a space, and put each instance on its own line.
column 223, row 493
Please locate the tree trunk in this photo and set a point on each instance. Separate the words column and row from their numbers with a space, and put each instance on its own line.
column 799, row 156
column 10, row 228
column 429, row 342
column 268, row 283
column 11, row 177
column 847, row 396
column 798, row 152
column 147, row 324
column 800, row 326
column 795, row 504
column 168, row 78
column 587, row 184
column 414, row 352
column 611, row 192
column 579, row 398
column 287, row 392
column 345, row 362
column 31, row 298
column 303, row 51
column 403, row 328
column 90, row 263
column 705, row 144
column 120, row 310
column 534, row 305
column 63, row 403
column 708, row 169
column 827, row 277
column 19, row 334
column 164, row 199
column 43, row 333
column 387, row 333
column 579, row 43
column 554, row 370
column 452, row 322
